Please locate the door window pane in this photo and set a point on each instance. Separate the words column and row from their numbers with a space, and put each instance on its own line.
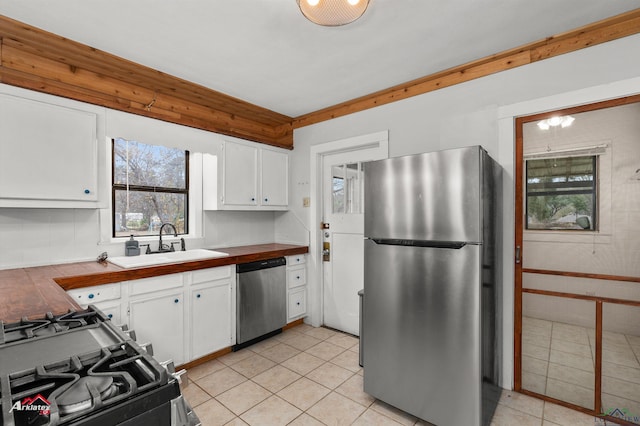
column 337, row 189
column 347, row 188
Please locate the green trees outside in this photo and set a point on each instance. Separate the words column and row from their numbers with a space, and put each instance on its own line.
column 150, row 188
column 560, row 191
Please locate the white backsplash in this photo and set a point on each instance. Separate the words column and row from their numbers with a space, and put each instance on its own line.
column 237, row 228
column 35, row 237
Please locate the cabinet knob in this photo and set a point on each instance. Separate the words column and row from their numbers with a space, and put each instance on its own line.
column 297, row 277
column 253, row 199
column 198, row 296
column 176, row 300
column 298, row 303
column 266, row 200
column 110, row 315
column 86, row 191
column 91, row 296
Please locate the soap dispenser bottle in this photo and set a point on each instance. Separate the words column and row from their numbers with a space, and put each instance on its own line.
column 131, row 247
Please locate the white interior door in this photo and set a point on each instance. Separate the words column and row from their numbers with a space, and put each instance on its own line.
column 343, row 202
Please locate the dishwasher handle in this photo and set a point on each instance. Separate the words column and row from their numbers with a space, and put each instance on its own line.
column 261, row 264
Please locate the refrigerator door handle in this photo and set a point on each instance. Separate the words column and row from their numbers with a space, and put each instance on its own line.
column 455, row 245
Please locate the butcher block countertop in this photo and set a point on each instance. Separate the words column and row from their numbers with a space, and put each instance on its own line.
column 32, row 292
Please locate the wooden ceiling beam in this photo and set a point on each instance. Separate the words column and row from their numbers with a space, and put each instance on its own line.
column 42, row 61
column 38, row 60
column 613, row 28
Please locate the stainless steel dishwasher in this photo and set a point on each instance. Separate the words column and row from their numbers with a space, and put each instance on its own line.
column 261, row 295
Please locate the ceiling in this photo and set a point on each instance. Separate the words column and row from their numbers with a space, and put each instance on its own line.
column 266, row 53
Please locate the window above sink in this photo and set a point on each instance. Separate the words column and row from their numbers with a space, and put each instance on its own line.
column 150, row 187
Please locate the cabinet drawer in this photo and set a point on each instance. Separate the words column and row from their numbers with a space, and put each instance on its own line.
column 296, row 277
column 295, row 260
column 213, row 274
column 112, row 310
column 100, row 293
column 297, row 303
column 148, row 285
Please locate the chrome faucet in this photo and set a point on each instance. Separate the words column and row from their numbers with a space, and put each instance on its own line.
column 163, row 247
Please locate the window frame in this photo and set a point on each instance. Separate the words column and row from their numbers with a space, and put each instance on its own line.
column 593, row 191
column 144, row 188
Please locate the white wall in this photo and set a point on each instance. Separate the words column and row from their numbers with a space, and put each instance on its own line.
column 476, row 112
column 238, row 228
column 42, row 236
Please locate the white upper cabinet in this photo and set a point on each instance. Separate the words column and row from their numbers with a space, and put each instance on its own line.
column 274, row 178
column 245, row 176
column 48, row 153
column 240, row 173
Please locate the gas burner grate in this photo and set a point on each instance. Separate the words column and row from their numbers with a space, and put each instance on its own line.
column 50, row 324
column 79, row 386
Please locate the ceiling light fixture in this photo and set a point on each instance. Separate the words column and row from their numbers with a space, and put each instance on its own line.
column 332, row 13
column 564, row 121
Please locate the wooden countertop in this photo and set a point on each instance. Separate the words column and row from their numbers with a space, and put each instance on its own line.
column 32, row 292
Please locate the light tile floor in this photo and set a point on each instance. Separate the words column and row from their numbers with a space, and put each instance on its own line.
column 558, row 360
column 311, row 376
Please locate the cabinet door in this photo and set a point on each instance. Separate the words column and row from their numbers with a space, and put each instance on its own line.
column 297, row 303
column 160, row 320
column 274, row 178
column 240, row 168
column 210, row 318
column 47, row 152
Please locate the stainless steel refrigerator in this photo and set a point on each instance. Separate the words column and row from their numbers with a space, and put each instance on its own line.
column 431, row 307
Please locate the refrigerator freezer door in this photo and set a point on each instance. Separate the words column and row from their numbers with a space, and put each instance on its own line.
column 421, row 330
column 432, row 196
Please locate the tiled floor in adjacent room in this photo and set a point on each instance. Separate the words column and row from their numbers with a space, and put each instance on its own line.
column 311, row 376
column 558, row 360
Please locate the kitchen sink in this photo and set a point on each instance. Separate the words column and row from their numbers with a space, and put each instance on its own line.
column 163, row 258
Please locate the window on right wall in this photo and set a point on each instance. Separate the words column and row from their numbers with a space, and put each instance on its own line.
column 561, row 193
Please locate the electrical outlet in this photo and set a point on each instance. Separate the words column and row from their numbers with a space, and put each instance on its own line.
column 306, row 202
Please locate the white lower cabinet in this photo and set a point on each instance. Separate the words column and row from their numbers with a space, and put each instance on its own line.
column 296, row 287
column 156, row 309
column 184, row 316
column 159, row 319
column 210, row 313
column 106, row 297
column 297, row 303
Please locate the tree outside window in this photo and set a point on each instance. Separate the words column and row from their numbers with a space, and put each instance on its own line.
column 562, row 193
column 150, row 187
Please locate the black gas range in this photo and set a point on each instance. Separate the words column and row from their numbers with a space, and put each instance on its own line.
column 80, row 369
